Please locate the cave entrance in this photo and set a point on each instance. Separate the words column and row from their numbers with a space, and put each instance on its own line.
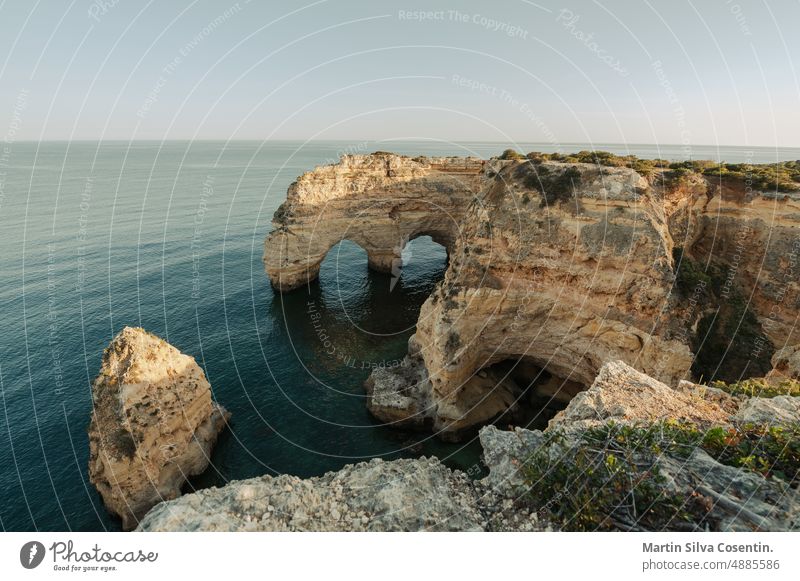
column 531, row 394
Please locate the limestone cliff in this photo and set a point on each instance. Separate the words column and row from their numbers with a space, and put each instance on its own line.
column 693, row 486
column 153, row 424
column 379, row 201
column 557, row 267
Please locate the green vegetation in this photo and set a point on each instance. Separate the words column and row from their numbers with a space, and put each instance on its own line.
column 555, row 186
column 677, row 177
column 511, row 154
column 772, row 451
column 781, row 177
column 689, row 277
column 729, row 342
column 609, row 478
column 645, row 167
column 603, row 482
column 123, row 441
column 759, row 387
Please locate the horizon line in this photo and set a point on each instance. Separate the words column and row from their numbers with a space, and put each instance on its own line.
column 398, row 140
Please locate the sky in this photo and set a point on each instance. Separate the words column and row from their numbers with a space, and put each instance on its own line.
column 671, row 72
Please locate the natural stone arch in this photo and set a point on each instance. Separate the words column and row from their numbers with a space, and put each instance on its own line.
column 441, row 236
column 379, row 201
column 586, row 252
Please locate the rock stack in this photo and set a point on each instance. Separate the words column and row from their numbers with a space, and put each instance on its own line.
column 153, row 424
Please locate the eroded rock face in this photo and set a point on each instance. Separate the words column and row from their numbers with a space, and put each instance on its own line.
column 153, row 424
column 403, row 495
column 422, row 494
column 785, row 364
column 622, row 394
column 378, row 201
column 565, row 265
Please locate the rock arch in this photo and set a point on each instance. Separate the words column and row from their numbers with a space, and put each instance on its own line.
column 379, row 201
column 570, row 273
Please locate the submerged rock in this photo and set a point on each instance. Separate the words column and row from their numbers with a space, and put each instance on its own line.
column 397, row 395
column 153, row 425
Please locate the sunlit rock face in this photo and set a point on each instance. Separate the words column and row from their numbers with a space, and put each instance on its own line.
column 564, row 266
column 378, row 201
column 153, row 424
column 421, row 494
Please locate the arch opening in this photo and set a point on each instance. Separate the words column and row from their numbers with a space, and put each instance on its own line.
column 375, row 302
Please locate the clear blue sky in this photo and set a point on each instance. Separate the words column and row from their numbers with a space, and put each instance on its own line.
column 710, row 72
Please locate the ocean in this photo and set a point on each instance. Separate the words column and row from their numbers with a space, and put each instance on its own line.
column 168, row 236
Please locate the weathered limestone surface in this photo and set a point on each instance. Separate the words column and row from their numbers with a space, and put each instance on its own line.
column 785, row 364
column 622, row 394
column 422, row 494
column 153, row 425
column 778, row 410
column 379, row 201
column 563, row 265
column 403, row 495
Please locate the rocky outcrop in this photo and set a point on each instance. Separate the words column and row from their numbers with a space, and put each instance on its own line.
column 422, row 494
column 374, row 496
column 785, row 364
column 730, row 498
column 779, row 410
column 403, row 495
column 734, row 499
column 560, row 266
column 379, row 201
column 622, row 394
column 153, row 424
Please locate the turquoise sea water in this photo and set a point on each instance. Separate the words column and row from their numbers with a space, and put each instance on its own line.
column 168, row 236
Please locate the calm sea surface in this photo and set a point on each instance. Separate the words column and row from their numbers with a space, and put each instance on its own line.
column 168, row 236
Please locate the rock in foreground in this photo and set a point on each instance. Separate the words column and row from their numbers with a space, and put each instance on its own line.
column 631, row 454
column 403, row 495
column 154, row 424
column 621, row 393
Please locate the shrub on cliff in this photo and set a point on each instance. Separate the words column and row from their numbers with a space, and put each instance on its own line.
column 781, row 177
column 608, row 477
column 510, row 154
column 759, row 387
column 555, row 187
column 607, row 480
column 690, row 277
column 727, row 329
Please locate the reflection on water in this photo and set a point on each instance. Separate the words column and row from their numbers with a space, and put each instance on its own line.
column 321, row 343
column 354, row 318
